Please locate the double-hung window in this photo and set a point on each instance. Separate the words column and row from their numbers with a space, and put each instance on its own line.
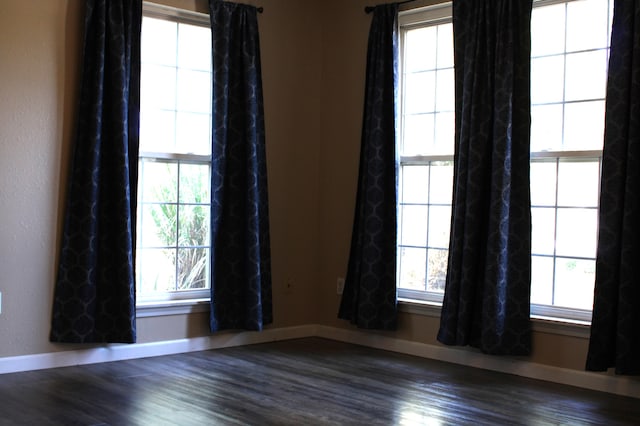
column 569, row 56
column 173, row 238
column 426, row 152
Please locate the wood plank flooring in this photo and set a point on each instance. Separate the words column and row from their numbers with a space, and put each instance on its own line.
column 298, row 382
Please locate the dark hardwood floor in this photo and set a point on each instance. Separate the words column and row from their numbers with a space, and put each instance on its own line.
column 298, row 382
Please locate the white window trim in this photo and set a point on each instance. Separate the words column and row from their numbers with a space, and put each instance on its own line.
column 185, row 302
column 154, row 10
column 418, row 16
column 540, row 324
column 172, row 307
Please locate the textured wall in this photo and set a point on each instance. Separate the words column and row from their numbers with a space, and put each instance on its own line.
column 39, row 48
column 38, row 43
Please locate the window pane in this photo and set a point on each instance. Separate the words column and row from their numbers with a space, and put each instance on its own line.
column 578, row 183
column 193, row 41
column 193, row 133
column 156, row 270
column 157, row 87
column 194, row 226
column 157, row 131
column 420, row 42
column 194, row 91
column 547, row 79
column 439, row 225
column 584, row 126
column 548, row 30
column 546, row 128
column 445, row 88
column 441, row 184
column 445, row 46
column 445, row 133
column 543, row 183
column 587, row 24
column 158, row 227
column 438, row 260
column 158, row 41
column 412, row 268
column 415, row 184
column 582, row 85
column 159, row 181
column 192, row 268
column 577, row 232
column 542, row 280
column 418, row 134
column 194, row 183
column 420, row 92
column 575, row 279
column 543, row 225
column 414, row 225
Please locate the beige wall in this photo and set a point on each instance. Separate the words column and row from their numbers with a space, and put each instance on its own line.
column 38, row 47
column 39, row 51
column 313, row 57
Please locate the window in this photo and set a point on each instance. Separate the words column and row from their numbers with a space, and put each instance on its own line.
column 173, row 246
column 569, row 55
column 426, row 152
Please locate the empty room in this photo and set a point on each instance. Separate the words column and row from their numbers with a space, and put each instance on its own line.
column 319, row 212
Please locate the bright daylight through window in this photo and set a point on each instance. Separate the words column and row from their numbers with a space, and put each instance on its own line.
column 569, row 55
column 175, row 155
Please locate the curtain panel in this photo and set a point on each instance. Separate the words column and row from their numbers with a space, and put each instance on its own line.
column 486, row 300
column 369, row 299
column 615, row 324
column 241, row 294
column 94, row 297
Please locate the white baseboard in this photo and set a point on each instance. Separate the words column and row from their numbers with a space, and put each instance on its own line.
column 619, row 385
column 119, row 352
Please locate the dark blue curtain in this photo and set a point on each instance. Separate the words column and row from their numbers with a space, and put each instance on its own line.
column 370, row 297
column 241, row 258
column 486, row 300
column 94, row 297
column 615, row 326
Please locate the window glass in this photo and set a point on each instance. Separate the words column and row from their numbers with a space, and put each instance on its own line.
column 173, row 248
column 426, row 167
column 568, row 87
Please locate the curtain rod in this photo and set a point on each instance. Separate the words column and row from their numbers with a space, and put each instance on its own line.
column 370, row 9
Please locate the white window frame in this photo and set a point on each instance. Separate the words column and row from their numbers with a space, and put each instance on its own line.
column 542, row 311
column 186, row 301
column 416, row 18
column 442, row 13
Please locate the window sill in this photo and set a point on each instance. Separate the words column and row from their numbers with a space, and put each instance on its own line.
column 171, row 307
column 541, row 324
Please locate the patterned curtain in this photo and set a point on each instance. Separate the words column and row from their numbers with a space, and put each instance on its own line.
column 486, row 301
column 94, row 297
column 615, row 325
column 370, row 297
column 241, row 258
